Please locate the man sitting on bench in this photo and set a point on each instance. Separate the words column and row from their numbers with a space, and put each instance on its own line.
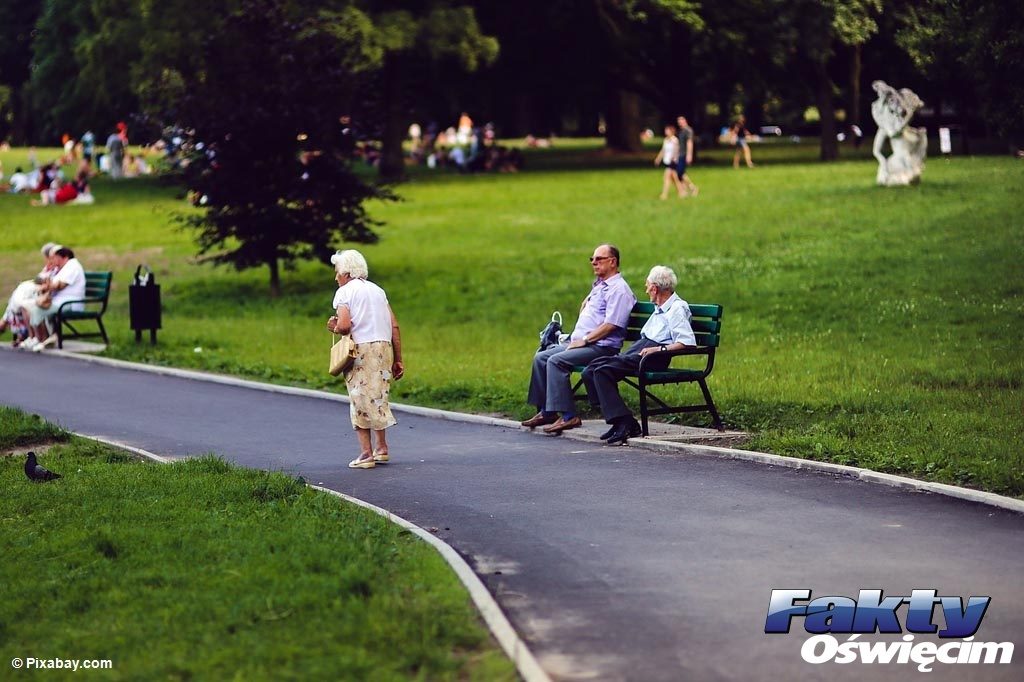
column 668, row 328
column 599, row 332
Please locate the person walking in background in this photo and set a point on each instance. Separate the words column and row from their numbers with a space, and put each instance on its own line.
column 362, row 310
column 667, row 157
column 600, row 331
column 88, row 145
column 67, row 144
column 686, row 185
column 739, row 135
column 668, row 328
column 115, row 155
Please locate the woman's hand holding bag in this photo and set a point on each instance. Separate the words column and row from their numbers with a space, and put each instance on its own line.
column 343, row 354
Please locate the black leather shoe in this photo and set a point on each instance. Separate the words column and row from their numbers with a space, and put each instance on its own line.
column 608, row 434
column 624, row 432
column 618, row 436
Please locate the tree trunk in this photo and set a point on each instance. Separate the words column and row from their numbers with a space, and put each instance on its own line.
column 622, row 121
column 827, row 111
column 754, row 112
column 853, row 115
column 275, row 278
column 21, row 126
column 392, row 159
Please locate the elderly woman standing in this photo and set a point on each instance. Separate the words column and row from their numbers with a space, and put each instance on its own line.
column 362, row 310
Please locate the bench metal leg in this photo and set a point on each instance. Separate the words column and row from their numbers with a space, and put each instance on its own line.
column 711, row 405
column 643, row 410
column 103, row 331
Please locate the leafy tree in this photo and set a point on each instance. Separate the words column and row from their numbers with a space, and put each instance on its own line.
column 974, row 48
column 822, row 28
column 266, row 166
column 17, row 20
column 432, row 32
column 577, row 59
column 631, row 45
column 81, row 54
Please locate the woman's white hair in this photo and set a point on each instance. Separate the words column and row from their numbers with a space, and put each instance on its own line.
column 351, row 263
column 663, row 278
column 47, row 248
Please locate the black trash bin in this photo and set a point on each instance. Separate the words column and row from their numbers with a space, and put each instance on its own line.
column 144, row 303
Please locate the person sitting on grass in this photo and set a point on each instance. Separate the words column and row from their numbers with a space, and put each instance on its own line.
column 20, row 181
column 68, row 284
column 60, row 192
column 81, row 185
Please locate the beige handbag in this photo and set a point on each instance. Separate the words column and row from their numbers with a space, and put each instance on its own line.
column 343, row 354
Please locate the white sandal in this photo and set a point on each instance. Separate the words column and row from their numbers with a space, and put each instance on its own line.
column 380, row 457
column 362, row 462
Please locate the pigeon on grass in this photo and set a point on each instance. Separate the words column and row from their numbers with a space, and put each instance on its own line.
column 36, row 471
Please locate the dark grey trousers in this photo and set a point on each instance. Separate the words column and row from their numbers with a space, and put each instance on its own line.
column 602, row 377
column 549, row 379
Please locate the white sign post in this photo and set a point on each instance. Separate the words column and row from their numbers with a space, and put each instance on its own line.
column 945, row 146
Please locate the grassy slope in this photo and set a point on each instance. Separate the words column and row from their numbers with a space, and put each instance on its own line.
column 868, row 326
column 201, row 570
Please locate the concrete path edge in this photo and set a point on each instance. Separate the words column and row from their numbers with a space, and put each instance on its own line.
column 981, row 497
column 508, row 639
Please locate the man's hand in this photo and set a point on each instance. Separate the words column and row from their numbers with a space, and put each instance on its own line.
column 332, row 321
column 649, row 350
column 578, row 343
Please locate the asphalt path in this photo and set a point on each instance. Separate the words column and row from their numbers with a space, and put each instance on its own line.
column 613, row 563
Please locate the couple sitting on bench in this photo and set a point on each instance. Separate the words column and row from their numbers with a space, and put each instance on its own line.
column 595, row 343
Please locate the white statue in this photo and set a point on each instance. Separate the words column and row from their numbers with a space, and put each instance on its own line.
column 892, row 112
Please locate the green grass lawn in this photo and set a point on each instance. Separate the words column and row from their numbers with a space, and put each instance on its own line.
column 202, row 570
column 867, row 326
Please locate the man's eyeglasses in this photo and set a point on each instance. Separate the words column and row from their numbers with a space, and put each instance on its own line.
column 597, row 259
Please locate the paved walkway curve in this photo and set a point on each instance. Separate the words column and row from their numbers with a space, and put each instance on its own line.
column 612, row 563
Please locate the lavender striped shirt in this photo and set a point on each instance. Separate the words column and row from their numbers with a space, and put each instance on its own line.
column 610, row 300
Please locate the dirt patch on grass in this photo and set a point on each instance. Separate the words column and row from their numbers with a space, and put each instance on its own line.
column 110, row 259
column 38, row 448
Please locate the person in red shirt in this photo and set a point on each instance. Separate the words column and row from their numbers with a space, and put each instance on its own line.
column 65, row 193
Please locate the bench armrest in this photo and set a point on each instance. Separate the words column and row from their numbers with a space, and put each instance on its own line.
column 689, row 350
column 92, row 299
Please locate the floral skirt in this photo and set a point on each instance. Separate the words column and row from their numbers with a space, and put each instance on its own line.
column 369, row 386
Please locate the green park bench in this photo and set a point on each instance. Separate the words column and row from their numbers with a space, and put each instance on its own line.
column 707, row 326
column 97, row 292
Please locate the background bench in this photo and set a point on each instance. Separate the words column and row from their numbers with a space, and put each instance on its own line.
column 707, row 326
column 97, row 292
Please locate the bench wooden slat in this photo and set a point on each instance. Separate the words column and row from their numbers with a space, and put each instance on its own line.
column 712, row 310
column 707, row 340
